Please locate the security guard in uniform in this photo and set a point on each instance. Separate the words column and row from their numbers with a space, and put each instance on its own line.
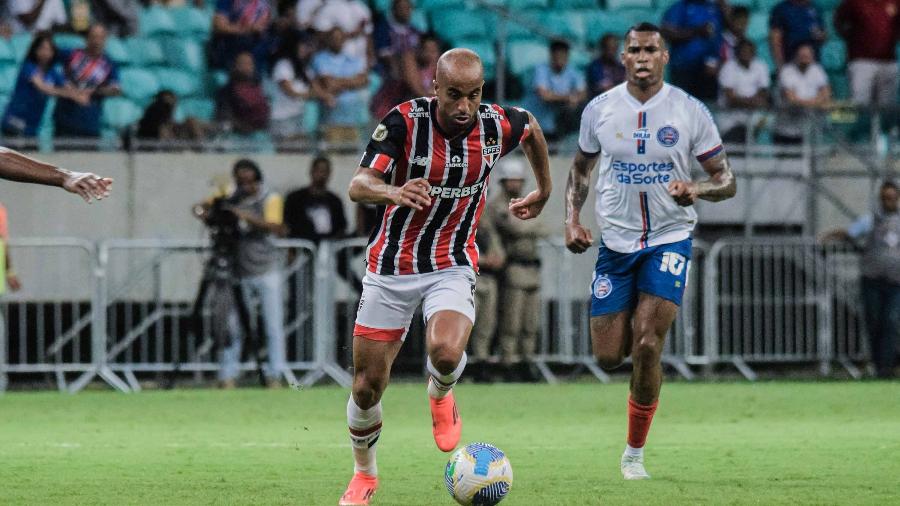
column 491, row 259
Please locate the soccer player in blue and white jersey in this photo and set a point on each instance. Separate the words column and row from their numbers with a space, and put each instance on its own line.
column 645, row 133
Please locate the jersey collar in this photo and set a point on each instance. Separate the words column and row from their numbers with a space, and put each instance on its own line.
column 635, row 104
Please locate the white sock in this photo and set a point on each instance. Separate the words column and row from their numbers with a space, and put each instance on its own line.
column 633, row 452
column 441, row 384
column 365, row 428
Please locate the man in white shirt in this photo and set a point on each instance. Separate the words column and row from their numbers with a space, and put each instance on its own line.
column 743, row 87
column 645, row 133
column 351, row 16
column 36, row 15
column 804, row 89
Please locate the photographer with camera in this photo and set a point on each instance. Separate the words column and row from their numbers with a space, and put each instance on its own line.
column 242, row 227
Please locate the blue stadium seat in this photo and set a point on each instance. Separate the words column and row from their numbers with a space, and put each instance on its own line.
column 518, row 5
column 765, row 6
column 840, row 85
column 833, row 55
column 183, row 83
column 664, row 4
column 827, row 5
column 146, row 52
column 435, row 5
column 600, row 22
column 419, row 20
column 749, row 4
column 576, row 4
column 191, row 22
column 200, row 108
column 120, row 112
column 185, row 54
column 635, row 15
column 486, row 51
column 7, row 54
column 525, row 55
column 20, row 43
column 568, row 25
column 453, row 25
column 758, row 27
column 117, row 52
column 66, row 41
column 614, row 5
column 156, row 21
column 4, row 100
column 8, row 75
column 138, row 84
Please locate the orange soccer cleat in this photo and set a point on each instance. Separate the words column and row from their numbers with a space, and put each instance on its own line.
column 361, row 488
column 446, row 425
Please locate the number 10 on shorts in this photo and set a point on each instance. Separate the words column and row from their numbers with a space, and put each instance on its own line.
column 673, row 263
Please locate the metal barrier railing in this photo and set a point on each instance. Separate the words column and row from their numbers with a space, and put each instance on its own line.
column 123, row 309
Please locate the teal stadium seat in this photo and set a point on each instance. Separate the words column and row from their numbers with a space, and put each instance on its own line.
column 185, row 54
column 840, row 85
column 183, row 83
column 438, row 5
column 758, row 27
column 576, row 4
column 218, row 78
column 765, row 6
column 664, row 4
column 200, row 108
column 513, row 29
column 486, row 51
column 146, row 52
column 454, row 25
column 7, row 54
column 519, row 5
column 525, row 55
column 4, row 101
column 598, row 23
column 138, row 84
column 615, row 5
column 20, row 43
column 833, row 55
column 191, row 22
column 117, row 51
column 8, row 75
column 419, row 20
column 827, row 5
column 156, row 21
column 66, row 41
column 119, row 113
column 568, row 25
column 749, row 4
column 636, row 15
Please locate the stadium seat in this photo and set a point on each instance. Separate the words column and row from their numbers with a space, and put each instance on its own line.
column 576, row 4
column 66, row 41
column 615, row 5
column 117, row 52
column 138, row 84
column 183, row 83
column 120, row 112
column 453, row 25
column 486, row 51
column 146, row 52
column 525, row 55
column 4, row 100
column 749, row 4
column 840, row 85
column 833, row 54
column 156, row 21
column 419, row 21
column 827, row 5
column 519, row 5
column 513, row 29
column 8, row 75
column 568, row 25
column 185, row 54
column 311, row 117
column 7, row 54
column 191, row 22
column 758, row 27
column 635, row 15
column 20, row 43
column 438, row 5
column 218, row 79
column 598, row 23
column 200, row 108
column 663, row 4
column 765, row 6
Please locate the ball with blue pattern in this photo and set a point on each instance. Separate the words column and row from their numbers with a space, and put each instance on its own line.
column 478, row 474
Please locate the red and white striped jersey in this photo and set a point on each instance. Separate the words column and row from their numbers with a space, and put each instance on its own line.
column 409, row 144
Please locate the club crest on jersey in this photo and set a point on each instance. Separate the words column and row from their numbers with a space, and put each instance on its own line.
column 417, row 111
column 380, row 133
column 455, row 162
column 667, row 136
column 602, row 287
column 491, row 151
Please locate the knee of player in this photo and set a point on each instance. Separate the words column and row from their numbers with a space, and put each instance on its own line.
column 367, row 390
column 445, row 359
column 647, row 347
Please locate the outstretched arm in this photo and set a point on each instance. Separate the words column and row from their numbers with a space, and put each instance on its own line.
column 719, row 186
column 368, row 186
column 578, row 238
column 15, row 166
column 535, row 148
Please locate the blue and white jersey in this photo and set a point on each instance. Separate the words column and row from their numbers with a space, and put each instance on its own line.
column 643, row 148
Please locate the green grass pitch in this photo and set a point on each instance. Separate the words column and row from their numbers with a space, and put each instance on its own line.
column 725, row 443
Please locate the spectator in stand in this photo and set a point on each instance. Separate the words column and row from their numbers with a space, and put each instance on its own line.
column 284, row 26
column 739, row 20
column 158, row 122
column 794, row 23
column 345, row 76
column 242, row 102
column 693, row 29
column 743, row 87
column 427, row 56
column 315, row 213
column 238, row 26
column 119, row 16
column 879, row 235
column 396, row 44
column 39, row 79
column 37, row 15
column 8, row 278
column 557, row 93
column 804, row 91
column 294, row 86
column 92, row 72
column 355, row 20
column 606, row 70
column 871, row 29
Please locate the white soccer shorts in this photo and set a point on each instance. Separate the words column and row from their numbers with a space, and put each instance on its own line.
column 388, row 303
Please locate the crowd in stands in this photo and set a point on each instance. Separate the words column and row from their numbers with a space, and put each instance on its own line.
column 295, row 68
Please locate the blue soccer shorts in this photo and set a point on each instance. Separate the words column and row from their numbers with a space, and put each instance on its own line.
column 658, row 270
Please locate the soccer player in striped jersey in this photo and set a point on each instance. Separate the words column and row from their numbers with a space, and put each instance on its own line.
column 645, row 133
column 15, row 166
column 427, row 167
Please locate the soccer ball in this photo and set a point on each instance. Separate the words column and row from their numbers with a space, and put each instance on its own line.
column 478, row 475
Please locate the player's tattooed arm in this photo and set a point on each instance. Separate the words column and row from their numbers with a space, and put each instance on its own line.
column 535, row 148
column 368, row 187
column 578, row 238
column 15, row 166
column 720, row 185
